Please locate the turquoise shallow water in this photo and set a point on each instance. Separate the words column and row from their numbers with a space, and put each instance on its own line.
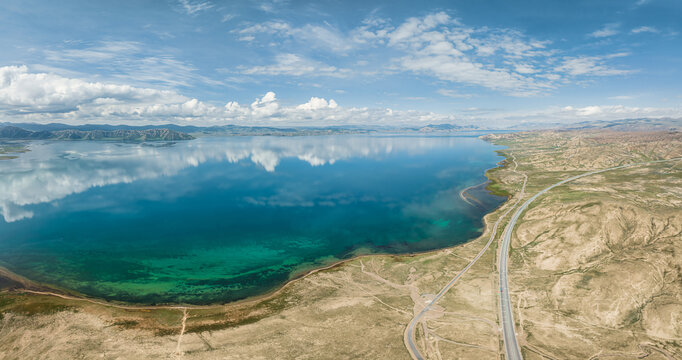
column 220, row 219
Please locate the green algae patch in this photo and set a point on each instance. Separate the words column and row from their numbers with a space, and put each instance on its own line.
column 441, row 223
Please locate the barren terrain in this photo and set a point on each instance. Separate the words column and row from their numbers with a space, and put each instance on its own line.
column 595, row 272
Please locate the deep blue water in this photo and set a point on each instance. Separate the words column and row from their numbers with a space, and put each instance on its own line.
column 220, row 219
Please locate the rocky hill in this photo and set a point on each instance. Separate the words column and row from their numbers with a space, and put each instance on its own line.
column 16, row 133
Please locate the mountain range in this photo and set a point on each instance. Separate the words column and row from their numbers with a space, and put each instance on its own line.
column 17, row 133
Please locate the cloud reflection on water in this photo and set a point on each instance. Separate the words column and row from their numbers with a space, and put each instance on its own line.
column 54, row 170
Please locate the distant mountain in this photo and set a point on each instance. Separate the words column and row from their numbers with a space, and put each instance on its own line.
column 641, row 124
column 240, row 130
column 224, row 130
column 441, row 128
column 644, row 124
column 17, row 133
column 103, row 127
column 528, row 126
column 177, row 132
column 13, row 132
column 237, row 130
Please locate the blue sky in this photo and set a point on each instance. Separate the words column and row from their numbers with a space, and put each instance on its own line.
column 205, row 62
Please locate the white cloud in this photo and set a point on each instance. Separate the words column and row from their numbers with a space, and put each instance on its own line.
column 453, row 94
column 265, row 106
column 525, row 69
column 130, row 61
column 269, row 27
column 193, row 7
column 645, row 29
column 606, row 31
column 45, row 97
column 270, row 7
column 316, row 103
column 464, row 71
column 622, row 97
column 42, row 97
column 435, row 45
column 591, row 66
column 414, row 27
column 372, row 31
column 499, row 59
column 574, row 114
column 588, row 111
column 22, row 90
column 439, row 46
column 318, row 36
column 510, row 44
column 294, row 65
column 324, row 37
column 103, row 51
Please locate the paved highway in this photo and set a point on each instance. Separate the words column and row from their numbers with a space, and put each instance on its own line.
column 409, row 337
column 511, row 345
column 512, row 349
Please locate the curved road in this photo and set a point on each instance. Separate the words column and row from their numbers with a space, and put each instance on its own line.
column 511, row 346
column 409, row 336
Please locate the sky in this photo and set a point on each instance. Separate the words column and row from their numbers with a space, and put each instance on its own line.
column 490, row 63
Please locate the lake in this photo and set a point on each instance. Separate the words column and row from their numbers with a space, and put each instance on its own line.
column 219, row 219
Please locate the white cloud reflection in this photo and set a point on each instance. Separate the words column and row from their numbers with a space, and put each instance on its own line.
column 55, row 170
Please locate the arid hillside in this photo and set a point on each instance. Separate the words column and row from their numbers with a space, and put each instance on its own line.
column 596, row 263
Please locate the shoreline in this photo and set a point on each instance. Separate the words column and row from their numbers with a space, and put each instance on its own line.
column 464, row 195
column 51, row 290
